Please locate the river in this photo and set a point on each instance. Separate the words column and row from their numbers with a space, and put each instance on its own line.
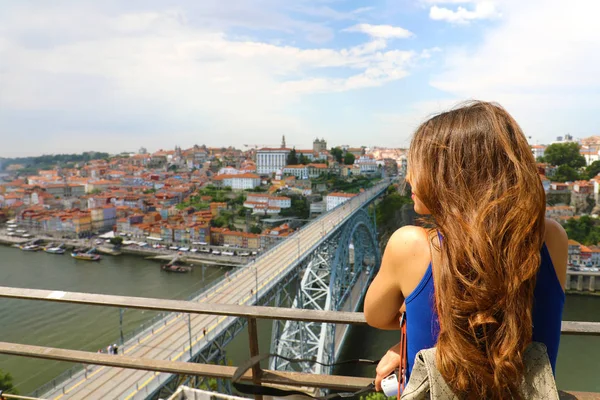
column 91, row 328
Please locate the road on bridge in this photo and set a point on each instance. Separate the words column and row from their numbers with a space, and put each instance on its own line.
column 171, row 341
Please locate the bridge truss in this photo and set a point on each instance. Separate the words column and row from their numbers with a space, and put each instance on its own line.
column 332, row 271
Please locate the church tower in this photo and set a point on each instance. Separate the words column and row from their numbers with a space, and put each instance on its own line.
column 283, row 142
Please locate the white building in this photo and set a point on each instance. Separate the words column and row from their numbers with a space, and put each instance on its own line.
column 538, row 150
column 238, row 181
column 590, row 154
column 280, row 201
column 306, row 171
column 229, row 170
column 270, row 160
column 266, row 204
column 367, row 164
column 335, row 199
column 299, row 171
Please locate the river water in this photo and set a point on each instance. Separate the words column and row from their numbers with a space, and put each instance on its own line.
column 91, row 328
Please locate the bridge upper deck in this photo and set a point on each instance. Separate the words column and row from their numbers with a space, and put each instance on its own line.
column 170, row 339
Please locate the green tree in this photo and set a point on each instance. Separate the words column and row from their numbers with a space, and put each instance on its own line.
column 349, row 159
column 584, row 230
column 564, row 154
column 565, row 173
column 255, row 229
column 292, row 158
column 337, row 153
column 6, row 383
column 389, row 206
column 302, row 159
column 218, row 222
column 116, row 241
column 592, row 170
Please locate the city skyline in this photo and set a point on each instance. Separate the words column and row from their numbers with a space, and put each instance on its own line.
column 80, row 76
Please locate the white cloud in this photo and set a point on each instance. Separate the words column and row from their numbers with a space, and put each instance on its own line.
column 544, row 73
column 482, row 10
column 147, row 77
column 449, row 1
column 380, row 31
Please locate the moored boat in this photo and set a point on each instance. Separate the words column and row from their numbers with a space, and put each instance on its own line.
column 175, row 268
column 30, row 247
column 55, row 250
column 85, row 256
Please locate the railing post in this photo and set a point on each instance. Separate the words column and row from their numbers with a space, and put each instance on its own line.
column 253, row 339
column 121, row 311
column 190, row 333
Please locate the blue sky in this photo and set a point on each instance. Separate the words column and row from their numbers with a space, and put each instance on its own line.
column 115, row 76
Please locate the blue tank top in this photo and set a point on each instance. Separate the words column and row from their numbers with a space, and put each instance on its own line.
column 422, row 325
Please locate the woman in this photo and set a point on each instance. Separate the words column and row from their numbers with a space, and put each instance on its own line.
column 489, row 278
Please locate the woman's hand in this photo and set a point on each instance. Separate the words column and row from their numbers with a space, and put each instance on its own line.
column 387, row 365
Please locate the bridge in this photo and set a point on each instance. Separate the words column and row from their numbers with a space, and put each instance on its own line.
column 337, row 255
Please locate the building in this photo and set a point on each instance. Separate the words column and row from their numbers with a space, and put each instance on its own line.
column 237, row 181
column 271, row 160
column 538, row 150
column 583, row 187
column 332, row 200
column 319, row 145
column 555, row 212
column 574, row 252
column 299, row 171
column 306, row 171
column 366, row 164
column 590, row 154
column 595, row 259
column 266, row 204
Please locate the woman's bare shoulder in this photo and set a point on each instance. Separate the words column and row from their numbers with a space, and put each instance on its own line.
column 409, row 248
column 557, row 243
column 409, row 240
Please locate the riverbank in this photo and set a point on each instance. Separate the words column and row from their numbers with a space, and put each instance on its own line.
column 162, row 254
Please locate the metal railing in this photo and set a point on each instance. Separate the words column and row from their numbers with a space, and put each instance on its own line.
column 208, row 370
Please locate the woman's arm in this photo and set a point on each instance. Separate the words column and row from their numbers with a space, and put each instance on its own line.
column 385, row 297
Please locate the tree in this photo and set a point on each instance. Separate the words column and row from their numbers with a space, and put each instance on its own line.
column 255, row 229
column 302, row 159
column 337, row 153
column 592, row 170
column 564, row 154
column 116, row 241
column 349, row 159
column 6, row 383
column 292, row 158
column 584, row 230
column 565, row 173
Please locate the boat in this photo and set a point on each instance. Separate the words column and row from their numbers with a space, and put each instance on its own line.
column 175, row 268
column 86, row 256
column 30, row 247
column 55, row 249
column 227, row 253
column 216, row 252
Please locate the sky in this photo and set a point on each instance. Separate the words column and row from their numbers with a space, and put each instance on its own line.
column 111, row 75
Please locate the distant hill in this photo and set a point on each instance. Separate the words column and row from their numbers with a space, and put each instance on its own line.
column 47, row 161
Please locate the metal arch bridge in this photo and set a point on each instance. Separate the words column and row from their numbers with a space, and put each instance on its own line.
column 336, row 254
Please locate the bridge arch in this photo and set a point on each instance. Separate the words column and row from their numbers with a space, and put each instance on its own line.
column 335, row 279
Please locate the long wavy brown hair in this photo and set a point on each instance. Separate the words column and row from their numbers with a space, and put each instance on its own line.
column 474, row 170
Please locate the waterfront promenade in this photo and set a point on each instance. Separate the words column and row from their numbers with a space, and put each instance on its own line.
column 170, row 339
